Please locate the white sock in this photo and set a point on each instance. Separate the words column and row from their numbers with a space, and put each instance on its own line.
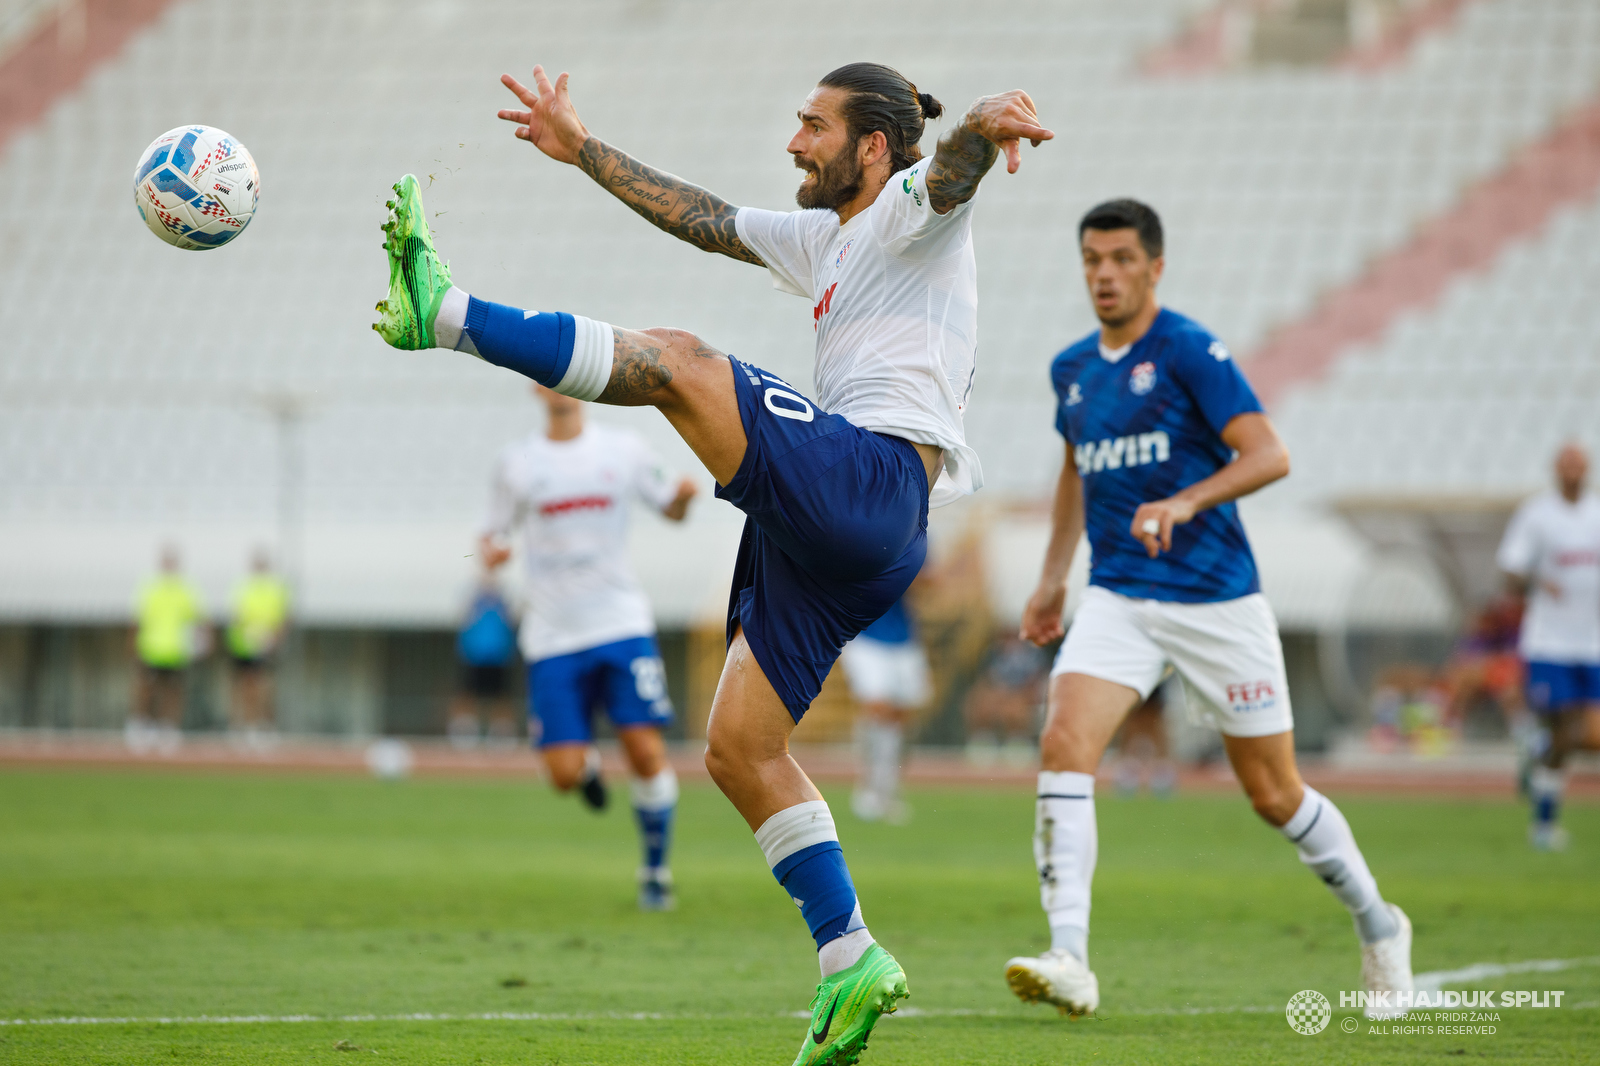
column 655, row 793
column 1065, row 846
column 881, row 744
column 450, row 325
column 593, row 351
column 1323, row 838
column 843, row 952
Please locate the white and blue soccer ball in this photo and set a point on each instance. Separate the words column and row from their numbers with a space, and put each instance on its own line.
column 196, row 187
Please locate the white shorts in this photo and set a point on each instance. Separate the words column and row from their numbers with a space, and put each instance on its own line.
column 1228, row 654
column 886, row 673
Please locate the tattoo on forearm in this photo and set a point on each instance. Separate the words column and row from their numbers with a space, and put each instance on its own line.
column 686, row 211
column 963, row 158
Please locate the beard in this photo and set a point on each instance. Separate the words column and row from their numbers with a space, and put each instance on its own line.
column 836, row 184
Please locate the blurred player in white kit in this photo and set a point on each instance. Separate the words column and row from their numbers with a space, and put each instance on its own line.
column 888, row 674
column 588, row 633
column 1551, row 556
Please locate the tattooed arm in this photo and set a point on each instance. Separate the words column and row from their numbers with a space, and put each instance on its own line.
column 686, row 211
column 965, row 154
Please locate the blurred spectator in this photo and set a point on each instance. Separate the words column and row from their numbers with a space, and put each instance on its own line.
column 888, row 674
column 254, row 634
column 171, row 634
column 1485, row 665
column 1143, row 755
column 1002, row 707
column 487, row 640
column 1408, row 710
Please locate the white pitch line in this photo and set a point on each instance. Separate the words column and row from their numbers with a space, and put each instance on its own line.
column 1431, row 982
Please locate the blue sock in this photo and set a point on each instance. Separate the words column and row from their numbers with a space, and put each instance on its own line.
column 655, row 832
column 533, row 343
column 818, row 880
column 1545, row 787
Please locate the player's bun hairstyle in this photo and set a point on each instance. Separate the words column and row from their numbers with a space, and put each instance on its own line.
column 1127, row 214
column 883, row 100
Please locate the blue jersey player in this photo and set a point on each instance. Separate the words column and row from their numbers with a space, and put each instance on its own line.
column 1162, row 434
column 835, row 491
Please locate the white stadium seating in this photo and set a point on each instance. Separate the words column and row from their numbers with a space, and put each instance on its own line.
column 137, row 382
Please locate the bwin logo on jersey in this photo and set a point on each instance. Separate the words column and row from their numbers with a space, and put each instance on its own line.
column 1114, row 453
column 1143, row 378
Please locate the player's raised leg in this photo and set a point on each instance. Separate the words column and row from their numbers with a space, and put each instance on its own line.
column 673, row 370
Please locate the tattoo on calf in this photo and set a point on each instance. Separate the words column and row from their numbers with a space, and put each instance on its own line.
column 964, row 156
column 686, row 211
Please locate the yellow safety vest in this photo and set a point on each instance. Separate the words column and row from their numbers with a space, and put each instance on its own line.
column 169, row 607
column 260, row 609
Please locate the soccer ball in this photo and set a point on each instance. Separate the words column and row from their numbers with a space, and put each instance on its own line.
column 196, row 187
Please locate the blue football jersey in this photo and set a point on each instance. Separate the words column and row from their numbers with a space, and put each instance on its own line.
column 1141, row 429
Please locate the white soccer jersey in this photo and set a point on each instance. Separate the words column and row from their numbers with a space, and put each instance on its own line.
column 895, row 295
column 1555, row 545
column 570, row 499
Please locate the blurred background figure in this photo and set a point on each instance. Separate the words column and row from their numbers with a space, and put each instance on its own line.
column 485, row 644
column 888, row 673
column 1002, row 707
column 255, row 633
column 1143, row 754
column 588, row 633
column 171, row 633
column 1551, row 557
column 1485, row 666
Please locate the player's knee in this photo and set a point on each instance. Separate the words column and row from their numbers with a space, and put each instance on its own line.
column 672, row 339
column 1275, row 805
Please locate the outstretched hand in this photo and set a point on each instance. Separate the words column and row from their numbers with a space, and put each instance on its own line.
column 550, row 121
column 1005, row 119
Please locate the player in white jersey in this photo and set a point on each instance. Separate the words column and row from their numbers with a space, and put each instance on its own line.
column 1163, row 433
column 836, row 493
column 587, row 632
column 1551, row 555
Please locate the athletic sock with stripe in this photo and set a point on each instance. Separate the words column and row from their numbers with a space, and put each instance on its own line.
column 1326, row 844
column 568, row 353
column 1065, row 846
column 802, row 848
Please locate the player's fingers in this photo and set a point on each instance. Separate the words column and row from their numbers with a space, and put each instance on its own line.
column 522, row 132
column 516, row 116
column 1166, row 533
column 1013, row 154
column 561, row 90
column 542, row 81
column 525, row 94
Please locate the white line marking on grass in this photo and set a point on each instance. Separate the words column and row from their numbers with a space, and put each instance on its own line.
column 1431, row 982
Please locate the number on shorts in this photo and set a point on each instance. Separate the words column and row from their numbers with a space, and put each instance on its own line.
column 803, row 414
column 649, row 678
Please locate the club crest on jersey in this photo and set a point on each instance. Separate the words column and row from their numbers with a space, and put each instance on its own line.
column 1143, row 378
column 1074, row 395
column 839, row 262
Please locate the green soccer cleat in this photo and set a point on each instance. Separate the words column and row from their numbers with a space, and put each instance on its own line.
column 417, row 280
column 846, row 1007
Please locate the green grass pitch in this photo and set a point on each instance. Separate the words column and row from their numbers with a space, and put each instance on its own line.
column 143, row 896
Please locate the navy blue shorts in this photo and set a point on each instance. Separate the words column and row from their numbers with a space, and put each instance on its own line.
column 626, row 677
column 836, row 529
column 1554, row 687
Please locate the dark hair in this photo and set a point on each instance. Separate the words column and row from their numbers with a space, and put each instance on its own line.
column 1127, row 214
column 882, row 100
